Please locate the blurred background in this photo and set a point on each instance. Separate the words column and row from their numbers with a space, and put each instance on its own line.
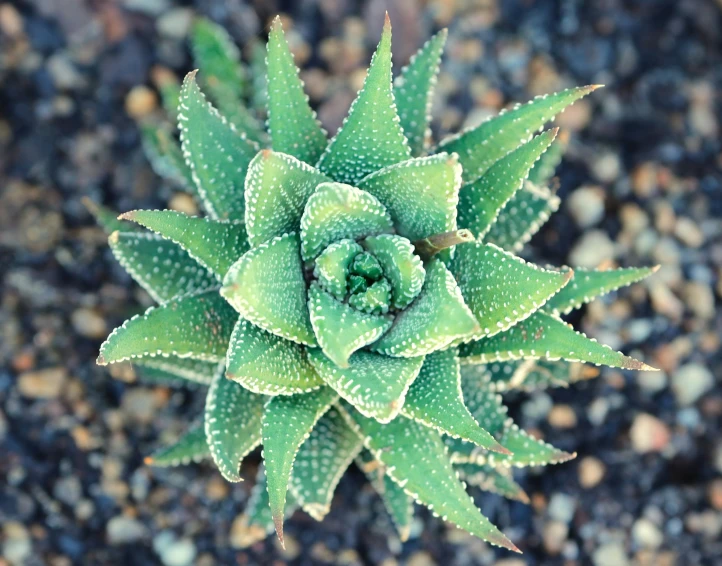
column 641, row 185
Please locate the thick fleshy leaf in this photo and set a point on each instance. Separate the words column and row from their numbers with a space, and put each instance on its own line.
column 267, row 364
column 161, row 369
column 160, row 266
column 216, row 152
column 287, row 422
column 542, row 173
column 435, row 400
column 259, row 79
column 191, row 326
column 340, row 329
column 321, row 461
column 376, row 385
column 399, row 505
column 107, row 219
column 434, row 320
column 190, row 447
column 371, row 137
column 481, row 201
column 376, row 299
column 232, row 423
column 480, row 147
column 414, row 90
column 337, row 211
column 495, row 480
column 166, row 157
column 543, row 336
column 277, row 188
column 527, row 375
column 401, row 267
column 588, row 284
column 292, row 123
column 522, row 217
column 416, row 459
column 331, row 267
column 216, row 245
column 268, row 288
column 421, row 194
column 500, row 288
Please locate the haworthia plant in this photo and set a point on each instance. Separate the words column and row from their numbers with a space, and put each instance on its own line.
column 358, row 292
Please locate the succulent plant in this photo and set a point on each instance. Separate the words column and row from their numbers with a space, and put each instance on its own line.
column 356, row 299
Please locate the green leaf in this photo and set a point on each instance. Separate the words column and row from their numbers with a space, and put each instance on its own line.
column 337, row 211
column 588, row 284
column 480, row 147
column 522, row 217
column 287, row 422
column 292, row 123
column 159, row 266
column 414, row 90
column 481, row 201
column 435, row 400
column 268, row 288
column 434, row 320
column 190, row 326
column 376, row 385
column 216, row 153
column 543, row 171
column 370, row 137
column 398, row 504
column 264, row 363
column 340, row 329
column 232, row 423
column 277, row 188
column 416, row 459
column 543, row 374
column 169, row 88
column 421, row 194
column 190, row 447
column 216, row 245
column 401, row 267
column 545, row 336
column 174, row 369
column 331, row 267
column 375, row 299
column 494, row 480
column 259, row 94
column 166, row 157
column 321, row 461
column 500, row 288
column 107, row 219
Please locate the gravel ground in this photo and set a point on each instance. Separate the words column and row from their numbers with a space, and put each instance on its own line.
column 641, row 185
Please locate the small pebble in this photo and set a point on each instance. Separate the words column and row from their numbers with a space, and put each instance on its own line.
column 124, row 530
column 648, row 434
column 591, row 249
column 140, row 101
column 714, row 494
column 591, row 472
column 690, row 382
column 175, row 23
column 88, row 323
column 646, row 534
column 554, row 535
column 562, row 416
column 42, row 384
column 610, row 554
column 586, row 205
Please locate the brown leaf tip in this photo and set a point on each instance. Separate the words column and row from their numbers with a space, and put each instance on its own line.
column 114, row 236
column 130, row 215
column 387, row 22
column 278, row 524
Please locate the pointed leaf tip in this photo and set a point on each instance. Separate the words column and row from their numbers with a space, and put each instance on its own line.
column 387, row 22
column 278, row 524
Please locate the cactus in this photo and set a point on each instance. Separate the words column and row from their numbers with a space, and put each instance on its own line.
column 354, row 299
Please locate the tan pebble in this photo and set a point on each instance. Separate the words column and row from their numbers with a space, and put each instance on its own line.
column 140, row 102
column 217, row 488
column 421, row 558
column 714, row 494
column 322, row 553
column 554, row 535
column 648, row 434
column 42, row 384
column 699, row 298
column 664, row 217
column 591, row 472
column 562, row 416
column 644, row 179
column 11, row 22
column 185, row 203
column 87, row 322
column 688, row 232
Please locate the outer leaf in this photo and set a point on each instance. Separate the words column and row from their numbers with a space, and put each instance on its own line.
column 434, row 320
column 416, row 459
column 259, row 94
column 337, row 211
column 173, row 368
column 414, row 90
column 190, row 447
column 420, row 194
column 401, row 267
column 216, row 153
column 435, row 400
column 268, row 288
column 526, row 375
column 321, row 461
column 500, row 288
column 292, row 124
column 545, row 336
column 232, row 423
column 166, row 157
column 544, row 373
column 191, row 326
column 264, row 363
column 398, row 504
column 521, row 217
column 481, row 201
column 371, row 137
column 376, row 385
column 287, row 422
column 216, row 245
column 340, row 329
column 107, row 219
column 588, row 284
column 277, row 188
column 331, row 267
column 494, row 480
column 161, row 267
column 480, row 147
